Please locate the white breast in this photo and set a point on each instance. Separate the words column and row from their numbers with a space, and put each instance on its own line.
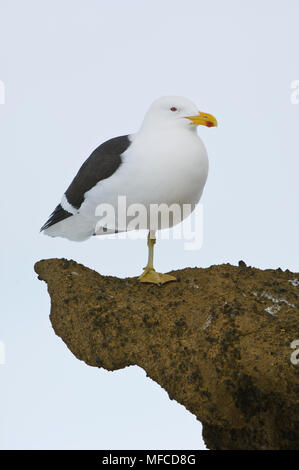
column 162, row 167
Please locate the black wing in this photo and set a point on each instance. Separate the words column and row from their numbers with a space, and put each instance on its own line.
column 101, row 164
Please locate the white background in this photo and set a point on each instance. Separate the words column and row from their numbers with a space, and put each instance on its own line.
column 77, row 73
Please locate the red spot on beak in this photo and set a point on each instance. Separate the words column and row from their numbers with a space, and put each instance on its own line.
column 210, row 124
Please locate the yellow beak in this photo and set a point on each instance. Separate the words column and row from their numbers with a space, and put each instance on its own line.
column 203, row 119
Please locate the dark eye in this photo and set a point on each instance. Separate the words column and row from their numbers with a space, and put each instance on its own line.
column 173, row 109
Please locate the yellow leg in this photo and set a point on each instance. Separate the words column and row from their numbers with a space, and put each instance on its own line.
column 149, row 274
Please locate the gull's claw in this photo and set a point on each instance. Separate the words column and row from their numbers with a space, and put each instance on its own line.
column 151, row 276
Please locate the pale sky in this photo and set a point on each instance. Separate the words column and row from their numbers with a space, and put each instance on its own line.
column 77, row 73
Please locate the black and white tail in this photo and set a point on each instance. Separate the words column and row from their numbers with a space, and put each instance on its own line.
column 57, row 215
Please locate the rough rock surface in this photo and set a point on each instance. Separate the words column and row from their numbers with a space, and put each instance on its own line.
column 218, row 341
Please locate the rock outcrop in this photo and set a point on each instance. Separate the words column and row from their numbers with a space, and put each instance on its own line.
column 218, row 341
